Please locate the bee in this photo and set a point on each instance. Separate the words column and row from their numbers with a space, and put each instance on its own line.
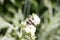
column 33, row 19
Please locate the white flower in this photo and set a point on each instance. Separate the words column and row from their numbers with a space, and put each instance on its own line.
column 30, row 29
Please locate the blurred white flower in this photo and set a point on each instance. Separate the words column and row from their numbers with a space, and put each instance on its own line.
column 30, row 29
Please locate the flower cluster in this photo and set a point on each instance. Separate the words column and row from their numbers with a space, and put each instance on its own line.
column 30, row 23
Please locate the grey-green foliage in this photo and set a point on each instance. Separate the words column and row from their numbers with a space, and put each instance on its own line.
column 12, row 13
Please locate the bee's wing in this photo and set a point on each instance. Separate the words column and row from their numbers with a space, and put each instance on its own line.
column 26, row 10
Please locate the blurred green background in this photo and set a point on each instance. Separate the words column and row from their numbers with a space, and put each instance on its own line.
column 12, row 12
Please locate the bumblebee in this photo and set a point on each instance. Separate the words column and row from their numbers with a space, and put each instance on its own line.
column 33, row 19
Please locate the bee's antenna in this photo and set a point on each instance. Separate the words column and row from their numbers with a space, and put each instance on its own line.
column 27, row 8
